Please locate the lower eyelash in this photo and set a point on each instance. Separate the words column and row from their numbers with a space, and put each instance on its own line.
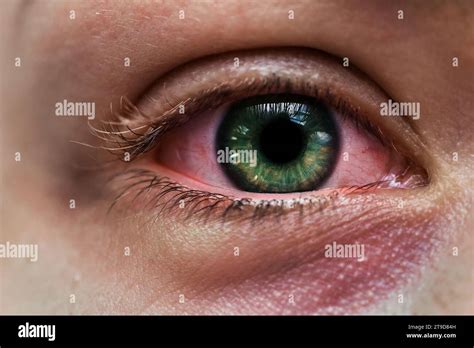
column 140, row 182
column 161, row 195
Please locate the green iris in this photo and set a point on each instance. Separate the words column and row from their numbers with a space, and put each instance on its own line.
column 277, row 143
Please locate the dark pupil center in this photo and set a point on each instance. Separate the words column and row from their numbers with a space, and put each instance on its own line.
column 282, row 140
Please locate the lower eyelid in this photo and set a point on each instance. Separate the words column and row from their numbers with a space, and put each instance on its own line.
column 142, row 190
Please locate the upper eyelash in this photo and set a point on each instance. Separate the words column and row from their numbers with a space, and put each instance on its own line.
column 121, row 137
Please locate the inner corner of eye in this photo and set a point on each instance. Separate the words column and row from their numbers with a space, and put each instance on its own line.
column 277, row 143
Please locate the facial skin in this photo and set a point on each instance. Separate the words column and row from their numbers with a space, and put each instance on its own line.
column 81, row 250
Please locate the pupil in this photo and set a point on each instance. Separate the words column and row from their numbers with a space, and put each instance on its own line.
column 282, row 140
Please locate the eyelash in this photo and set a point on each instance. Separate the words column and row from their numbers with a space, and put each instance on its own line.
column 139, row 143
column 122, row 138
column 200, row 204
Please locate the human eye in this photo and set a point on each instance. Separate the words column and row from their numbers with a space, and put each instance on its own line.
column 277, row 130
column 328, row 171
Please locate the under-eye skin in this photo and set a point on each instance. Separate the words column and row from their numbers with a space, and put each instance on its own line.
column 313, row 84
column 277, row 143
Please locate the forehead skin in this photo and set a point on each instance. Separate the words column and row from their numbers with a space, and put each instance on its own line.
column 411, row 59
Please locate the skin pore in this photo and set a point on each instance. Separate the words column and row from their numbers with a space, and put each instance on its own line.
column 81, row 250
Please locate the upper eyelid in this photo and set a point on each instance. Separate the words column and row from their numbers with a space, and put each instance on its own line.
column 307, row 66
column 158, row 106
